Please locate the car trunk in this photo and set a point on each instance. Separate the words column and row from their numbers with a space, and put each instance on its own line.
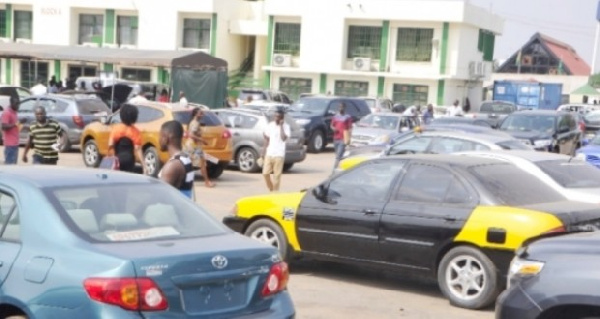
column 213, row 130
column 188, row 274
column 575, row 216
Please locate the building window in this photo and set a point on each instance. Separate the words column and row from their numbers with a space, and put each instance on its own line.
column 196, row 33
column 23, row 22
column 364, row 42
column 486, row 43
column 414, row 44
column 3, row 24
column 410, row 94
column 287, row 38
column 33, row 72
column 295, row 86
column 90, row 28
column 351, row 88
column 127, row 30
column 142, row 75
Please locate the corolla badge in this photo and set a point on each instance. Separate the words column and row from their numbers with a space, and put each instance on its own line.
column 219, row 261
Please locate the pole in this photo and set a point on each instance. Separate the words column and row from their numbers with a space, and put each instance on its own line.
column 595, row 55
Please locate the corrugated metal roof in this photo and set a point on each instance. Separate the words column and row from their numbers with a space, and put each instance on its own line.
column 571, row 60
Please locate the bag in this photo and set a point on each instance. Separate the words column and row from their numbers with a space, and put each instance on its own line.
column 110, row 162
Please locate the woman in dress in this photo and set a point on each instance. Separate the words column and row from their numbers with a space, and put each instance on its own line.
column 193, row 145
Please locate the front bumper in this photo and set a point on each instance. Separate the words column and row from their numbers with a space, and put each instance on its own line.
column 235, row 223
column 516, row 303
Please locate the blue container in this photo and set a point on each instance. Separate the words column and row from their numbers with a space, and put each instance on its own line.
column 529, row 95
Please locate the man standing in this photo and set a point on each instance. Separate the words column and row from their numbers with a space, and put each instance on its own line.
column 276, row 133
column 341, row 124
column 428, row 115
column 10, row 131
column 182, row 99
column 455, row 110
column 43, row 136
column 177, row 171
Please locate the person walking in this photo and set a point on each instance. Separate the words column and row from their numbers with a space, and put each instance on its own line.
column 193, row 145
column 341, row 124
column 276, row 133
column 43, row 137
column 177, row 171
column 10, row 131
column 125, row 141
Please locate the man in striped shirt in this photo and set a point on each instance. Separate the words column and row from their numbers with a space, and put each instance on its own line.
column 43, row 136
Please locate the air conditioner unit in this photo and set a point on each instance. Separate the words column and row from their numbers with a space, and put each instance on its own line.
column 110, row 45
column 476, row 69
column 361, row 64
column 22, row 40
column 5, row 40
column 90, row 44
column 282, row 60
column 128, row 46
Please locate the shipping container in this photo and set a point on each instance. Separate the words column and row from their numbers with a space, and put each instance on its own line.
column 529, row 95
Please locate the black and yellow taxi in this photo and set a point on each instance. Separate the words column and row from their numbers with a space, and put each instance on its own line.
column 450, row 217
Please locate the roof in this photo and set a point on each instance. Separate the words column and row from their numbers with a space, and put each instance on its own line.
column 163, row 58
column 586, row 90
column 571, row 60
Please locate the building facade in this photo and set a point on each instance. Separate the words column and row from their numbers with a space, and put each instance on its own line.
column 414, row 52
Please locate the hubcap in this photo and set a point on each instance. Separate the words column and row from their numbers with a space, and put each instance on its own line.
column 318, row 142
column 266, row 235
column 246, row 160
column 91, row 155
column 466, row 278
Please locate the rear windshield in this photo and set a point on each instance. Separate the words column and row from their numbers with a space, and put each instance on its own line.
column 209, row 118
column 92, row 106
column 514, row 145
column 574, row 174
column 513, row 186
column 255, row 95
column 496, row 107
column 126, row 212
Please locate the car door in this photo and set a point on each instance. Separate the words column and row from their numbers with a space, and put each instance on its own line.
column 344, row 219
column 9, row 233
column 426, row 211
column 149, row 122
column 332, row 109
column 26, row 115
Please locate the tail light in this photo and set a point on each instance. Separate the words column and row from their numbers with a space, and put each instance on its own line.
column 140, row 294
column 582, row 126
column 78, row 120
column 226, row 134
column 277, row 279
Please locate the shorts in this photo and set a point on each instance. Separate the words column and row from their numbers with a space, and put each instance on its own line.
column 273, row 165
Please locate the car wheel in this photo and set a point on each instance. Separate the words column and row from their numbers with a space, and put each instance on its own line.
column 468, row 278
column 316, row 142
column 246, row 160
column 151, row 161
column 287, row 166
column 214, row 170
column 91, row 154
column 65, row 145
column 268, row 232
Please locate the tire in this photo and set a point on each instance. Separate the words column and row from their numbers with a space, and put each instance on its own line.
column 287, row 166
column 151, row 161
column 268, row 232
column 214, row 171
column 453, row 276
column 65, row 143
column 91, row 154
column 246, row 159
column 316, row 142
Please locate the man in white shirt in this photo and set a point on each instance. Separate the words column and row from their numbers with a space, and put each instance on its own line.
column 455, row 110
column 276, row 133
column 182, row 99
column 39, row 89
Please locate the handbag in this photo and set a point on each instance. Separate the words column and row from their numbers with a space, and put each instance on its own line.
column 110, row 162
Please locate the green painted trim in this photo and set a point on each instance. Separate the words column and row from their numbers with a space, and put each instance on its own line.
column 270, row 40
column 8, row 71
column 380, row 86
column 109, row 26
column 108, row 67
column 383, row 57
column 440, row 91
column 57, row 70
column 444, row 47
column 267, row 81
column 9, row 20
column 323, row 83
column 213, row 35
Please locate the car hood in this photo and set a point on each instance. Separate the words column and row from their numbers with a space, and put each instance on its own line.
column 568, row 244
column 529, row 135
column 573, row 214
column 590, row 149
column 367, row 149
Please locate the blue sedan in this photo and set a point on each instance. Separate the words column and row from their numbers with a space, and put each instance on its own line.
column 591, row 151
column 79, row 243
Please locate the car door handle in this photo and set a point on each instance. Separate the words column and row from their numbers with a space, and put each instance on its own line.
column 449, row 218
column 369, row 212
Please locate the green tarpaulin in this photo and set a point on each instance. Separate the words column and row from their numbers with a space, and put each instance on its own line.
column 204, row 87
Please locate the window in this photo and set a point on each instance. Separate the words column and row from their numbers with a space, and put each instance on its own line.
column 90, row 28
column 32, row 72
column 147, row 114
column 351, row 88
column 27, row 106
column 430, row 184
column 76, row 71
column 9, row 218
column 196, row 33
column 295, row 86
column 414, row 44
column 238, row 121
column 3, row 24
column 449, row 145
column 371, row 181
column 52, row 106
column 287, row 38
column 23, row 22
column 364, row 42
column 127, row 30
column 142, row 75
column 410, row 94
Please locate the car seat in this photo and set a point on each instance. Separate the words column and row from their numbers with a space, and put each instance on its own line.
column 84, row 219
column 118, row 222
column 160, row 215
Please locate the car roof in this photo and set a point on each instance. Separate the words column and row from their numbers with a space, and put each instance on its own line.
column 244, row 111
column 389, row 114
column 265, row 103
column 471, row 136
column 175, row 106
column 453, row 160
column 539, row 112
column 531, row 156
column 329, row 97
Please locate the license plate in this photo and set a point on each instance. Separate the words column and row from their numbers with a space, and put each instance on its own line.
column 293, row 141
column 218, row 295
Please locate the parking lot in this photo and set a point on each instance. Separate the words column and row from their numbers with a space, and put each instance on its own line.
column 320, row 289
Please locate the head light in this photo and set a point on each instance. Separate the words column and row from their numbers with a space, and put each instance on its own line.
column 523, row 268
column 542, row 143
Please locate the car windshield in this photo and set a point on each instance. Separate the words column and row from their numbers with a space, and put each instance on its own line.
column 311, row 105
column 127, row 212
column 572, row 174
column 371, row 103
column 92, row 106
column 541, row 123
column 513, row 186
column 592, row 116
column 497, row 108
column 379, row 121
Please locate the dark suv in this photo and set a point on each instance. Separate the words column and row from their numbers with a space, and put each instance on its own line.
column 554, row 278
column 545, row 130
column 314, row 115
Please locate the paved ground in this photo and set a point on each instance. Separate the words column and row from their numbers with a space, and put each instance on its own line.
column 328, row 290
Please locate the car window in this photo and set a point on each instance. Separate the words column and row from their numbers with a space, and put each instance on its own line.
column 115, row 118
column 416, row 144
column 92, row 106
column 572, row 174
column 449, row 145
column 564, row 123
column 431, row 184
column 285, row 99
column 124, row 212
column 371, row 181
column 210, row 119
column 53, row 106
column 497, row 108
column 9, row 218
column 147, row 114
column 276, row 97
column 27, row 106
column 238, row 120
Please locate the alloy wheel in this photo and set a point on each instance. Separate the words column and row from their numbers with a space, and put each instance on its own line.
column 465, row 277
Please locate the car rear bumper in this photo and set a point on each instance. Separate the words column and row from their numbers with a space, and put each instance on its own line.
column 282, row 307
column 295, row 156
column 235, row 223
column 516, row 303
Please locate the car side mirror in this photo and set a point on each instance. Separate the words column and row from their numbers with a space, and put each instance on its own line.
column 320, row 192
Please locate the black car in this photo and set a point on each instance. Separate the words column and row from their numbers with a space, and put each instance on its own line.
column 545, row 130
column 314, row 115
column 554, row 277
column 493, row 112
